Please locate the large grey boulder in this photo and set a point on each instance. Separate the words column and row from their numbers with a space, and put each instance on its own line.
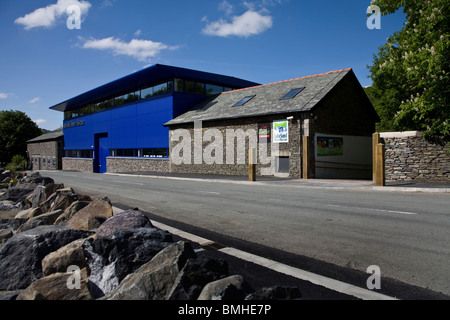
column 111, row 259
column 21, row 256
column 71, row 210
column 54, row 287
column 60, row 260
column 195, row 275
column 153, row 280
column 124, row 221
column 91, row 216
column 231, row 288
column 43, row 219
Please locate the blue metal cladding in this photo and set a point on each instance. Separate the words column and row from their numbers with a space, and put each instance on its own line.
column 134, row 126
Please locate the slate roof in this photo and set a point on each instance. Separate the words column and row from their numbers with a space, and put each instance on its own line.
column 53, row 135
column 267, row 100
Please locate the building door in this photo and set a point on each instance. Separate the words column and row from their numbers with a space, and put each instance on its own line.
column 101, row 152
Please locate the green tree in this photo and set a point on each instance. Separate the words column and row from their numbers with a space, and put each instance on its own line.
column 16, row 128
column 410, row 73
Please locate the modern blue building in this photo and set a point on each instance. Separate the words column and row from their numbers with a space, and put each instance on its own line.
column 119, row 126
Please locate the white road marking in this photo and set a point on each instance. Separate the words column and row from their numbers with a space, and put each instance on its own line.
column 130, row 183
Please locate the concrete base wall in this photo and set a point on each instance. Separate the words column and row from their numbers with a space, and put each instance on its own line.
column 116, row 164
column 77, row 164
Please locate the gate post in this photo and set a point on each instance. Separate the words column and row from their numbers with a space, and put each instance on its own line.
column 252, row 164
column 306, row 159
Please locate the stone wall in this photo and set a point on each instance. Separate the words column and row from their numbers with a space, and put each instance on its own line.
column 42, row 152
column 119, row 164
column 78, row 164
column 197, row 163
column 409, row 156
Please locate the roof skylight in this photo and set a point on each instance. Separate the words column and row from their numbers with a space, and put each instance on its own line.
column 293, row 93
column 244, row 101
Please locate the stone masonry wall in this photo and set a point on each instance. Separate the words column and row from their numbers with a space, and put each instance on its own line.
column 409, row 157
column 116, row 165
column 40, row 154
column 78, row 164
column 291, row 149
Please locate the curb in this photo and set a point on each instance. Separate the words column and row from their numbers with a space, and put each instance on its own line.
column 338, row 186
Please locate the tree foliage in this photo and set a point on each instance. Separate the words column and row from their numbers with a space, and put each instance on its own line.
column 410, row 73
column 16, row 128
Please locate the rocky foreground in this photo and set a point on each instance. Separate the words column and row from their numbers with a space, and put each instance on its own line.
column 56, row 244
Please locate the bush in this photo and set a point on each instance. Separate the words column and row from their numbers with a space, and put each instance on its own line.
column 18, row 162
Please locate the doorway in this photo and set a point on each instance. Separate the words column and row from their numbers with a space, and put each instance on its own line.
column 101, row 153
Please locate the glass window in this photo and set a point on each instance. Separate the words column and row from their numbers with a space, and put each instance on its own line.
column 160, row 153
column 244, row 101
column 119, row 100
column 147, row 153
column 200, row 88
column 179, row 86
column 190, row 87
column 147, row 93
column 213, row 89
column 293, row 93
column 207, row 106
column 169, row 86
column 160, row 89
column 128, row 153
column 131, row 97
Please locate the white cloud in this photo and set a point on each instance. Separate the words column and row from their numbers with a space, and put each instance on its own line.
column 3, row 95
column 40, row 121
column 248, row 24
column 34, row 100
column 226, row 7
column 46, row 17
column 138, row 33
column 142, row 50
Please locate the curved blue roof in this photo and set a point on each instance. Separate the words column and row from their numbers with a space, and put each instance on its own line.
column 147, row 77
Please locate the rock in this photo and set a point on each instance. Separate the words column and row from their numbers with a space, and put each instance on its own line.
column 275, row 293
column 70, row 211
column 43, row 219
column 124, row 221
column 35, row 179
column 16, row 194
column 92, row 216
column 112, row 259
column 11, row 224
column 231, row 288
column 21, row 256
column 37, row 195
column 5, row 234
column 61, row 199
column 54, row 287
column 71, row 254
column 23, row 214
column 9, row 295
column 7, row 205
column 153, row 280
column 34, row 212
column 195, row 275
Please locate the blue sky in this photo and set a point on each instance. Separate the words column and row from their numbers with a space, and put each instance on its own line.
column 43, row 62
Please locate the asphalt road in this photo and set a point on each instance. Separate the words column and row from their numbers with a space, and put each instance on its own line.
column 405, row 234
